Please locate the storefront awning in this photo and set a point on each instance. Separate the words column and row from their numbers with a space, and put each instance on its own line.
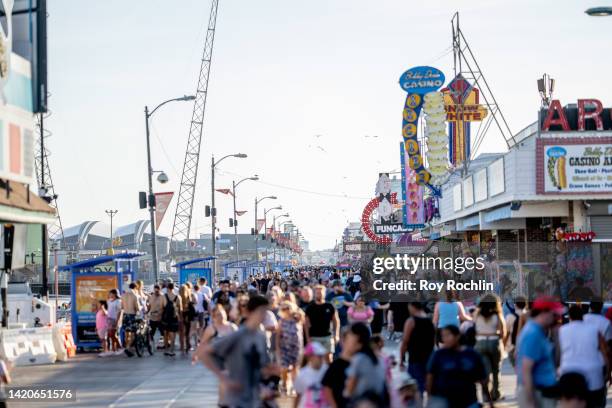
column 472, row 221
column 19, row 205
column 500, row 213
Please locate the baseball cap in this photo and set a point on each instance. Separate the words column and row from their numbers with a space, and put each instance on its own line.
column 357, row 278
column 314, row 349
column 548, row 304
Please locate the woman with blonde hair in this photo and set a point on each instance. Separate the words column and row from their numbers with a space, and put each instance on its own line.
column 289, row 342
column 490, row 327
column 188, row 301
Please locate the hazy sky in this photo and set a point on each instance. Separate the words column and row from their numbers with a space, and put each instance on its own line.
column 284, row 71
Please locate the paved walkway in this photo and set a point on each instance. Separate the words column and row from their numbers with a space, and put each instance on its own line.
column 156, row 381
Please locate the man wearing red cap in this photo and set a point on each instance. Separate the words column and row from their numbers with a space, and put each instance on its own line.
column 534, row 356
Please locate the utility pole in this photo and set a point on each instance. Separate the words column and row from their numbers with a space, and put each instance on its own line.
column 111, row 214
column 213, row 216
column 235, row 219
column 44, row 196
column 151, row 200
column 256, row 237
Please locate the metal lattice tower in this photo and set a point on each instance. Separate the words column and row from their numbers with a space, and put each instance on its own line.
column 184, row 207
column 465, row 64
column 44, row 179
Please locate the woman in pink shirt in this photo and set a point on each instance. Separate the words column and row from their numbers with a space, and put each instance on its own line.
column 102, row 326
column 360, row 313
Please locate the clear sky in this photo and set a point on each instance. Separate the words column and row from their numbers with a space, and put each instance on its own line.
column 283, row 72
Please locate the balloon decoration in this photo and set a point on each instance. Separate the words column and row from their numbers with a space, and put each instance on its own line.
column 366, row 221
column 435, row 133
column 575, row 236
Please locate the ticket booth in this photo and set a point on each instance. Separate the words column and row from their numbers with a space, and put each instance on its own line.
column 194, row 269
column 92, row 279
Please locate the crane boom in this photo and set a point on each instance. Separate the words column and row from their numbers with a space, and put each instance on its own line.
column 184, row 207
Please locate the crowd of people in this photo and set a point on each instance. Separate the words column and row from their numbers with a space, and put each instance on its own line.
column 312, row 336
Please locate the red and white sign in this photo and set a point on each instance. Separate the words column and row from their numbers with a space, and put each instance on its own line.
column 260, row 224
column 587, row 114
column 162, row 201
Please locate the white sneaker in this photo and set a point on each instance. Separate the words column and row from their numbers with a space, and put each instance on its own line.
column 105, row 354
column 118, row 352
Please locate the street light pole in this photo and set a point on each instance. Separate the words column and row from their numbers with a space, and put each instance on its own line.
column 213, row 216
column 257, row 229
column 213, row 210
column 235, row 225
column 111, row 214
column 266, row 227
column 151, row 201
column 234, row 185
column 273, row 230
column 256, row 237
column 151, row 196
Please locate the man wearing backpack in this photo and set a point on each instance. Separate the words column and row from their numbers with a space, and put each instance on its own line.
column 512, row 323
column 171, row 313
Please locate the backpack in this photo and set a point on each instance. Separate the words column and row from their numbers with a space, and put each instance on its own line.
column 169, row 313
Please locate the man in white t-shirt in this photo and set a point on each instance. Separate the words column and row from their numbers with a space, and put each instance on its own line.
column 205, row 289
column 583, row 351
column 595, row 318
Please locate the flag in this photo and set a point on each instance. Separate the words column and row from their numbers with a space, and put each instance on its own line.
column 224, row 191
column 162, row 201
column 239, row 213
column 260, row 224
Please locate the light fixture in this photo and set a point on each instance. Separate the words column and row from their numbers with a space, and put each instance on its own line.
column 162, row 178
column 240, row 155
column 599, row 11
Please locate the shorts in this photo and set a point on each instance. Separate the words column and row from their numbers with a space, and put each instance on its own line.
column 111, row 325
column 540, row 400
column 155, row 325
column 129, row 322
column 327, row 342
column 102, row 333
column 171, row 326
column 200, row 319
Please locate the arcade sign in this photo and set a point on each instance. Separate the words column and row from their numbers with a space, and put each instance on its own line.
column 395, row 228
column 422, row 80
column 586, row 115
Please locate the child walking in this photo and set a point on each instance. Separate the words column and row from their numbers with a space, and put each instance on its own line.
column 102, row 327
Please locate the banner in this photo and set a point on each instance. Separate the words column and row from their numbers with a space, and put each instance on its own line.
column 162, row 201
column 239, row 213
column 224, row 191
column 260, row 224
column 412, row 195
column 574, row 165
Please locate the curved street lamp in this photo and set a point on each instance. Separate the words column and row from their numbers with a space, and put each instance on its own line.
column 257, row 201
column 234, row 185
column 213, row 211
column 599, row 11
column 162, row 178
column 274, row 229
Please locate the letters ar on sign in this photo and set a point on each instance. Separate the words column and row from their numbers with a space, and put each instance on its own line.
column 586, row 114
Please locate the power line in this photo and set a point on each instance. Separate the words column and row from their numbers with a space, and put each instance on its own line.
column 299, row 190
